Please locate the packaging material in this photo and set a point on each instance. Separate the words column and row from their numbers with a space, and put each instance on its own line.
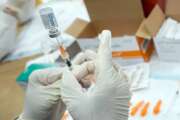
column 138, row 76
column 124, row 43
column 167, row 41
column 165, row 71
column 148, row 5
column 152, row 24
column 118, row 16
column 128, row 62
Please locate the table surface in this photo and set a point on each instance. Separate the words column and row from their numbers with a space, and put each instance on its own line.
column 11, row 94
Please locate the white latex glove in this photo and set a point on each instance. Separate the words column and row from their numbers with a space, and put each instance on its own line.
column 23, row 10
column 7, row 33
column 43, row 100
column 108, row 99
column 79, row 67
column 87, row 55
column 42, row 96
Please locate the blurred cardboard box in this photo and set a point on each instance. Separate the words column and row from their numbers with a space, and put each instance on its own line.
column 122, row 17
column 166, row 49
column 148, row 5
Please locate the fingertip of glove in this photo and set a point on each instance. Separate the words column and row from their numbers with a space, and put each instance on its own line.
column 104, row 52
column 105, row 38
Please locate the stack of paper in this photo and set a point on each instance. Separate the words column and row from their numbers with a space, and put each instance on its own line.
column 169, row 29
column 167, row 41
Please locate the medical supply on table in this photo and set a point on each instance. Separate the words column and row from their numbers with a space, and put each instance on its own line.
column 138, row 76
column 160, row 98
column 157, row 108
column 144, row 108
column 172, row 101
column 50, row 23
column 144, row 111
column 136, row 108
column 172, row 110
column 167, row 41
column 178, row 98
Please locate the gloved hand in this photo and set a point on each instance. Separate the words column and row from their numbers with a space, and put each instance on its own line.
column 23, row 10
column 42, row 95
column 43, row 100
column 108, row 98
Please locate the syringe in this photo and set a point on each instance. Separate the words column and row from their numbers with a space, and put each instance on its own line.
column 64, row 54
column 50, row 23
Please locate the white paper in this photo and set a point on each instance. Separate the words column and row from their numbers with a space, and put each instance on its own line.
column 177, row 35
column 165, row 71
column 124, row 43
column 167, row 41
column 171, row 30
column 89, row 43
column 127, row 62
column 138, row 76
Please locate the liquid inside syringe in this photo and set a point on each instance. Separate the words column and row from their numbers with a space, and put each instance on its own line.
column 64, row 54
